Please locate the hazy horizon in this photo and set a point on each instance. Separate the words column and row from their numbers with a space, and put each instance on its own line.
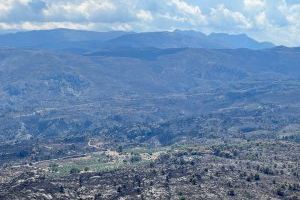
column 99, row 31
column 263, row 20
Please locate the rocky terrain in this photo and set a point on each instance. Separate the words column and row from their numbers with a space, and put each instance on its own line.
column 240, row 170
column 91, row 116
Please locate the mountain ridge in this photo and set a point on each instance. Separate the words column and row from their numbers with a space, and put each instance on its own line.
column 79, row 41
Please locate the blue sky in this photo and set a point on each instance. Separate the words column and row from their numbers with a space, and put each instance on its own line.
column 277, row 21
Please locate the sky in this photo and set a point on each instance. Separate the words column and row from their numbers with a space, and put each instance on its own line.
column 277, row 21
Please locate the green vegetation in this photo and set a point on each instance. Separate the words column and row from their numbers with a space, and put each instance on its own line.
column 135, row 158
column 53, row 167
column 74, row 171
column 97, row 163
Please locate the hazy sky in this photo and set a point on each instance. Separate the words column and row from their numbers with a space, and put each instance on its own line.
column 277, row 21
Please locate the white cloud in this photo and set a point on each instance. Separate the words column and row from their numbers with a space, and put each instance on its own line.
column 89, row 10
column 192, row 11
column 145, row 15
column 21, row 10
column 275, row 20
column 254, row 4
column 186, row 8
column 4, row 9
column 261, row 19
column 225, row 19
column 291, row 13
column 44, row 25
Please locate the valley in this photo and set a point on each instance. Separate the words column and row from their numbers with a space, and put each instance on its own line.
column 133, row 119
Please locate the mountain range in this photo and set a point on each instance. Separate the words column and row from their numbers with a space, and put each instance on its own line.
column 88, row 41
column 56, row 81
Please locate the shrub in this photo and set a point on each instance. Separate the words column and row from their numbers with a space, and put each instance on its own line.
column 53, row 167
column 231, row 193
column 257, row 177
column 74, row 171
column 280, row 192
column 136, row 158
